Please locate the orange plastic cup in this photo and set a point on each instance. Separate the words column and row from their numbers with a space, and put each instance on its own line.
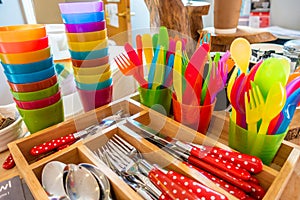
column 22, row 33
column 27, row 57
column 195, row 117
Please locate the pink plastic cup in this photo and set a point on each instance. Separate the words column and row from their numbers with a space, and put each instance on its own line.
column 81, row 7
column 86, row 27
column 91, row 99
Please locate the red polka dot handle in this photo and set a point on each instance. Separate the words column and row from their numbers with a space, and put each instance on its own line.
column 221, row 183
column 52, row 145
column 195, row 187
column 251, row 163
column 220, row 163
column 170, row 189
column 245, row 186
column 9, row 162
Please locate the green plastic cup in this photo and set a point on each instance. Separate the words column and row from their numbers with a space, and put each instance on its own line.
column 38, row 119
column 158, row 100
column 263, row 146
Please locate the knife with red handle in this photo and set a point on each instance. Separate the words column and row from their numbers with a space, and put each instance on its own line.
column 187, row 151
column 65, row 140
column 169, row 188
column 245, row 186
column 195, row 187
column 251, row 163
column 221, row 183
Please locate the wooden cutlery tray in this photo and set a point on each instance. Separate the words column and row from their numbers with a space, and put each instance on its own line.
column 273, row 178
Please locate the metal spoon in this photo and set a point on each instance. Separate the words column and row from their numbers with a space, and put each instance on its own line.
column 81, row 184
column 52, row 179
column 102, row 179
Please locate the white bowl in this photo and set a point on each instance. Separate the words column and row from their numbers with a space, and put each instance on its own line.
column 13, row 131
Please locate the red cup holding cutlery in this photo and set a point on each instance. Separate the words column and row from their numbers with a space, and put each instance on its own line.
column 195, row 117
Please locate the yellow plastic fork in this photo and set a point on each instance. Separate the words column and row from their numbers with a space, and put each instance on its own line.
column 253, row 107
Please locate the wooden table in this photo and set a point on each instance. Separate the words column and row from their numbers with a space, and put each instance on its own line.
column 291, row 191
column 221, row 42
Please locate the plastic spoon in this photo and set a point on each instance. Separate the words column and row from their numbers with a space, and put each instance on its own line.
column 274, row 103
column 240, row 50
column 271, row 71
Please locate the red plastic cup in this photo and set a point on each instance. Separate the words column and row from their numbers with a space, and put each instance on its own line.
column 91, row 99
column 90, row 63
column 24, row 46
column 41, row 103
column 195, row 117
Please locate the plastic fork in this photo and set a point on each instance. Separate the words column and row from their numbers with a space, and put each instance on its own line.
column 128, row 68
column 253, row 106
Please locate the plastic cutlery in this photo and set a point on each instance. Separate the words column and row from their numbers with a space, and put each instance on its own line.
column 235, row 95
column 147, row 48
column 133, row 56
column 229, row 90
column 276, row 122
column 194, row 75
column 177, row 74
column 139, row 47
column 274, row 103
column 240, row 50
column 154, row 42
column 128, row 68
column 254, row 102
column 289, row 110
column 160, row 69
column 153, row 68
column 168, row 72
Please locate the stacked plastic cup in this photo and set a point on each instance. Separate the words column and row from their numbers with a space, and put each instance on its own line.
column 28, row 66
column 88, row 45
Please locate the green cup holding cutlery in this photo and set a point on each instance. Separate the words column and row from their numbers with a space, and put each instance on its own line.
column 156, row 99
column 263, row 146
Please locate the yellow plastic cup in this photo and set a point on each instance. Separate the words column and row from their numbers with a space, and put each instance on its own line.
column 89, row 79
column 91, row 70
column 88, row 46
column 87, row 36
column 25, row 58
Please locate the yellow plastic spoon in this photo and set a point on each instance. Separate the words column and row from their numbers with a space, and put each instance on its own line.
column 240, row 51
column 274, row 103
column 229, row 88
column 177, row 73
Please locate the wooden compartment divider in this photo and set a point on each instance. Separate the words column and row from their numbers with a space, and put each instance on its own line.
column 273, row 178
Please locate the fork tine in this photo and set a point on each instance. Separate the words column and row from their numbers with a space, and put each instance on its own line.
column 125, row 142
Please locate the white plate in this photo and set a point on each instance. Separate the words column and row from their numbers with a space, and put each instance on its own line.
column 267, row 47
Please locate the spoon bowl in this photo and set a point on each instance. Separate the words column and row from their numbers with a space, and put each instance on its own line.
column 240, row 50
column 54, row 186
column 81, row 184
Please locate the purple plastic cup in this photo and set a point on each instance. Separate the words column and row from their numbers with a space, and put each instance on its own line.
column 91, row 99
column 86, row 27
column 80, row 7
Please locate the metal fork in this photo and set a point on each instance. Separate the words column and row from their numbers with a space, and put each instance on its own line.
column 128, row 157
column 128, row 68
